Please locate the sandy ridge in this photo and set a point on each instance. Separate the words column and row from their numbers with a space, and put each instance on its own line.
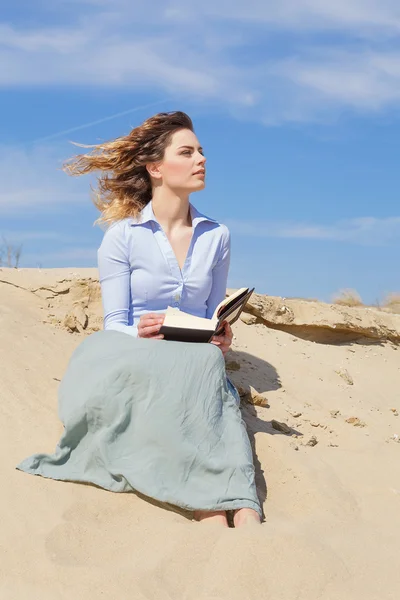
column 331, row 507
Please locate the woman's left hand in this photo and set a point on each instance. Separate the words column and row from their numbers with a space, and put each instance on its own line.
column 224, row 340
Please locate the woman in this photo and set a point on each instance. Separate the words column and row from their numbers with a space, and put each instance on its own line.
column 142, row 414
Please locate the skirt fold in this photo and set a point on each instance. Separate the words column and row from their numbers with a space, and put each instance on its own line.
column 159, row 418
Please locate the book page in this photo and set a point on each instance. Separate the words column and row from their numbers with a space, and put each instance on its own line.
column 233, row 315
column 228, row 300
column 177, row 318
column 174, row 312
column 231, row 312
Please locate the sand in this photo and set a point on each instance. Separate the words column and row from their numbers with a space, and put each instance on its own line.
column 331, row 528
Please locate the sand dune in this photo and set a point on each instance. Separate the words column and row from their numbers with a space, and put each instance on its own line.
column 330, row 487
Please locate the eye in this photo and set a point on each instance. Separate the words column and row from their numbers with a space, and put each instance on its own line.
column 186, row 152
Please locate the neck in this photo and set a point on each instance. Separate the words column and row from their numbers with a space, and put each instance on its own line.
column 171, row 209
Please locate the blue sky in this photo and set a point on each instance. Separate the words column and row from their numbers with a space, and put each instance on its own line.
column 296, row 104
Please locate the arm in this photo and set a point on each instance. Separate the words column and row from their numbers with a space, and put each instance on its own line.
column 220, row 274
column 115, row 277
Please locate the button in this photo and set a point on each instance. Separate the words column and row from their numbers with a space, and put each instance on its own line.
column 177, row 297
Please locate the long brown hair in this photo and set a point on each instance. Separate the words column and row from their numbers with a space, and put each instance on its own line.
column 124, row 185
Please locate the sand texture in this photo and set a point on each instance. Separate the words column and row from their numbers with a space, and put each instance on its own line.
column 320, row 389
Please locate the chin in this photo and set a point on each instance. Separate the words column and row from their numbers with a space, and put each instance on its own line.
column 200, row 185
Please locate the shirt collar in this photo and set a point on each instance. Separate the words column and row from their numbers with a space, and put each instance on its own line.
column 146, row 215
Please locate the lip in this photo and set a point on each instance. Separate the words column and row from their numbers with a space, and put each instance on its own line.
column 200, row 172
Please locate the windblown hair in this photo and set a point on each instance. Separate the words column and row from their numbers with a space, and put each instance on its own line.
column 124, row 185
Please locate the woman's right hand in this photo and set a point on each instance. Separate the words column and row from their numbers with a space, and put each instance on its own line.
column 149, row 326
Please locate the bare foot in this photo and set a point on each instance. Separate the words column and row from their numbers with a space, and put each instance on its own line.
column 246, row 516
column 217, row 517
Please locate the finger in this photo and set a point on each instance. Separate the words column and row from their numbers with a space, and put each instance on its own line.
column 150, row 327
column 149, row 331
column 145, row 320
column 225, row 347
column 224, row 340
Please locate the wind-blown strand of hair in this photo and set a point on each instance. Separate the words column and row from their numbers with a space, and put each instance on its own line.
column 124, row 185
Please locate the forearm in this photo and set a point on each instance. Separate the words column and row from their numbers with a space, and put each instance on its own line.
column 114, row 275
column 131, row 330
column 219, row 278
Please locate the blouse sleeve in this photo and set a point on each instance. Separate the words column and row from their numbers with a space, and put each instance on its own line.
column 220, row 274
column 115, row 280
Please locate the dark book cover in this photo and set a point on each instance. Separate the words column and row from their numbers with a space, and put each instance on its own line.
column 230, row 313
column 179, row 334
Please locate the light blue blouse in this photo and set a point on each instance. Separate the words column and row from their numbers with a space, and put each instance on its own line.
column 139, row 272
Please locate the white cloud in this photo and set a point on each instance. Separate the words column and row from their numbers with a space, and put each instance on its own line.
column 31, row 181
column 369, row 231
column 366, row 17
column 70, row 257
column 366, row 81
column 58, row 40
column 220, row 51
column 77, row 57
column 20, row 236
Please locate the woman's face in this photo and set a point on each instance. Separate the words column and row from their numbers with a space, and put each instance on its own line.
column 183, row 166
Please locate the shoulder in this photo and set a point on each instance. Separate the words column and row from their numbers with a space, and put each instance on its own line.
column 117, row 229
column 218, row 229
column 115, row 236
column 222, row 232
column 220, row 236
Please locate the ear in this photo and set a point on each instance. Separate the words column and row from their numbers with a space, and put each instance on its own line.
column 153, row 170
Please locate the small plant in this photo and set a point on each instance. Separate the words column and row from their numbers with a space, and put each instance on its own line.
column 392, row 302
column 10, row 255
column 348, row 297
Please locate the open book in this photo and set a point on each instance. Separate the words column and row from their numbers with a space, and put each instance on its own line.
column 181, row 327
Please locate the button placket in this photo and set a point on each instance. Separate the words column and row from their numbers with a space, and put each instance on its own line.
column 177, row 297
column 166, row 251
column 170, row 258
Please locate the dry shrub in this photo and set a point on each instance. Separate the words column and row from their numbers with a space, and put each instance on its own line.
column 303, row 299
column 348, row 297
column 10, row 255
column 392, row 303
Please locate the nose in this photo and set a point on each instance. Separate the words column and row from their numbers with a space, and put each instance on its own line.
column 202, row 159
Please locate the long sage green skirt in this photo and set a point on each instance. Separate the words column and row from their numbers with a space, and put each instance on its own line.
column 157, row 417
